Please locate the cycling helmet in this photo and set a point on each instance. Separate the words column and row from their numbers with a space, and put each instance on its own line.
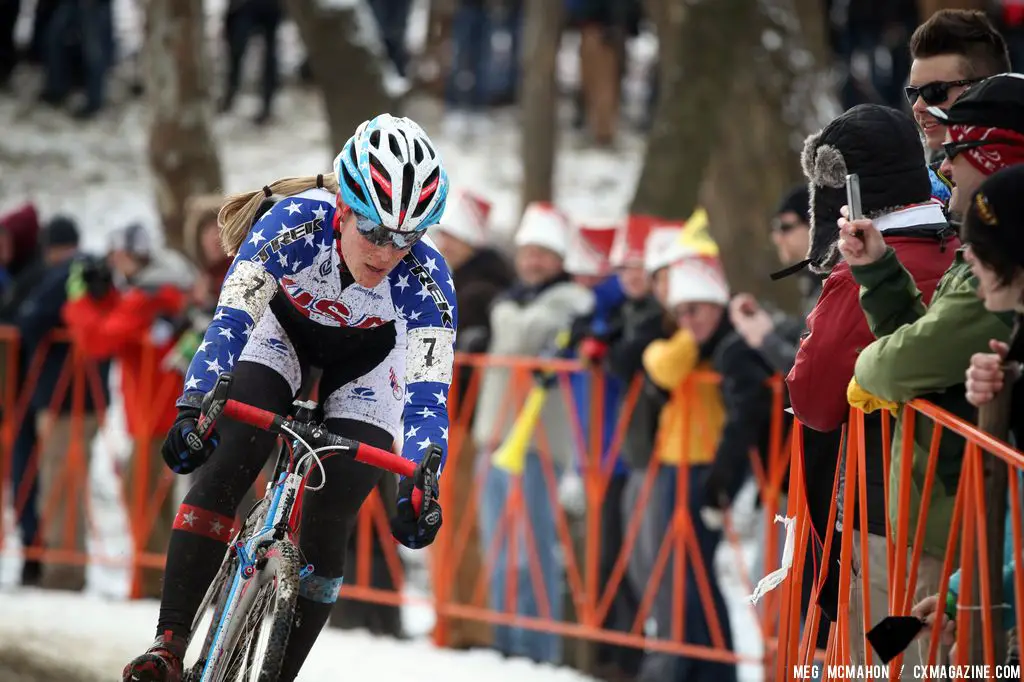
column 390, row 172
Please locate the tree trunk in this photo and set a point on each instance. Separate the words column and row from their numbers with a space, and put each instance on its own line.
column 775, row 102
column 702, row 44
column 182, row 154
column 926, row 8
column 435, row 63
column 346, row 56
column 542, row 32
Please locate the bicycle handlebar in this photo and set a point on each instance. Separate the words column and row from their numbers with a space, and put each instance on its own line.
column 319, row 437
column 216, row 403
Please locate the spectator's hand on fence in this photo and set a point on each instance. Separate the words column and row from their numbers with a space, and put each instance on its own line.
column 860, row 242
column 750, row 320
column 927, row 610
column 985, row 376
column 183, row 450
column 592, row 351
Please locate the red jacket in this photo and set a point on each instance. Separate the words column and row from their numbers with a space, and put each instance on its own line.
column 837, row 331
column 118, row 326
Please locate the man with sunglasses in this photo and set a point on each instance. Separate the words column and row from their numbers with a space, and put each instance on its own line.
column 335, row 274
column 952, row 51
column 984, row 133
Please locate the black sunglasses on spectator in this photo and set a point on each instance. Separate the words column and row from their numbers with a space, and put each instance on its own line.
column 934, row 93
column 784, row 226
column 952, row 149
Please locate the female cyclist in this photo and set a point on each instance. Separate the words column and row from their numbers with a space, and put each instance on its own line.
column 333, row 275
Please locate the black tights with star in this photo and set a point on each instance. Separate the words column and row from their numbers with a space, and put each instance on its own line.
column 328, row 514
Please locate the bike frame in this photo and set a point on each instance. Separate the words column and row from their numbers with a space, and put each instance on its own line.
column 276, row 525
column 283, row 496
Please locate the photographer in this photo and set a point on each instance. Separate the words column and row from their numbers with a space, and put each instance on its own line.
column 122, row 308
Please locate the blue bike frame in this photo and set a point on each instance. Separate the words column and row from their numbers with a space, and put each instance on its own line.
column 246, row 552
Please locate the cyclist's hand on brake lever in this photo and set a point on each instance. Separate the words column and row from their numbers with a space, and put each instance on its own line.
column 185, row 450
column 412, row 530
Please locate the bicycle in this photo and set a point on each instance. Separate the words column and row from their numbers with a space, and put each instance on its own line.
column 251, row 601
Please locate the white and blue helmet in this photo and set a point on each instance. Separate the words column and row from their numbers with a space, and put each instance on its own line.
column 390, row 172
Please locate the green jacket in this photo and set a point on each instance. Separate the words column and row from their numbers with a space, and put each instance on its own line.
column 923, row 353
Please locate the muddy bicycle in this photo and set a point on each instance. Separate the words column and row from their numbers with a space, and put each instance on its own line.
column 249, row 608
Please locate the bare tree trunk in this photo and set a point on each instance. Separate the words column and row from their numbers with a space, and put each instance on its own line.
column 702, row 43
column 182, row 154
column 347, row 60
column 926, row 8
column 776, row 101
column 542, row 32
column 437, row 54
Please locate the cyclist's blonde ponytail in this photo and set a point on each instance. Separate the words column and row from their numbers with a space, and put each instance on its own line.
column 237, row 213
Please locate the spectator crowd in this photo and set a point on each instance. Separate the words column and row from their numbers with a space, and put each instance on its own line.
column 919, row 299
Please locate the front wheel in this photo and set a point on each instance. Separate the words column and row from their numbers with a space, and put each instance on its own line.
column 259, row 621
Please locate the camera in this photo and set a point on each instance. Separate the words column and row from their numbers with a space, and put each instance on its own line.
column 97, row 275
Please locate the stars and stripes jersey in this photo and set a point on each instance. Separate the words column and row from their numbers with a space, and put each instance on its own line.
column 292, row 249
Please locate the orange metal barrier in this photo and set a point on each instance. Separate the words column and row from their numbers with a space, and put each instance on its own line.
column 967, row 549
column 590, row 600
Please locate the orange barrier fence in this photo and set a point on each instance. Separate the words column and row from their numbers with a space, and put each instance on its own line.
column 899, row 564
column 65, row 505
column 905, row 564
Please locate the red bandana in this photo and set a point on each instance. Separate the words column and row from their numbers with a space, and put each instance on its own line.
column 1007, row 151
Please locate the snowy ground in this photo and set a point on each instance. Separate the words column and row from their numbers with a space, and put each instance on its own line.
column 100, row 636
column 102, row 633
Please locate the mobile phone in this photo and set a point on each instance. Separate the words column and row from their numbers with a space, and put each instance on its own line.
column 853, row 196
column 853, row 200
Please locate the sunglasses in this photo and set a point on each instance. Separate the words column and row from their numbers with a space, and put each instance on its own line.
column 934, row 93
column 784, row 226
column 378, row 235
column 952, row 149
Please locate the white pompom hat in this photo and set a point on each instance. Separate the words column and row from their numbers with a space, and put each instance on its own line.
column 466, row 218
column 696, row 279
column 544, row 225
column 590, row 249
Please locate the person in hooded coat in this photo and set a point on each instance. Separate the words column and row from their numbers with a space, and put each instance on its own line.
column 880, row 145
column 20, row 264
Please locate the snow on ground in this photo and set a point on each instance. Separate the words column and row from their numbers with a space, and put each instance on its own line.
column 101, row 636
column 103, row 633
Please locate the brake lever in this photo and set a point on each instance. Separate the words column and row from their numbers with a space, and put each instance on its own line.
column 426, row 478
column 213, row 405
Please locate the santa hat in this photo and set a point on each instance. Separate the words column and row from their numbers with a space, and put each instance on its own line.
column 697, row 279
column 589, row 250
column 662, row 247
column 466, row 218
column 544, row 225
column 630, row 240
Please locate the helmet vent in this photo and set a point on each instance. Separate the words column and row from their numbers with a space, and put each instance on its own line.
column 383, row 192
column 352, row 185
column 396, row 148
column 424, row 201
column 408, row 179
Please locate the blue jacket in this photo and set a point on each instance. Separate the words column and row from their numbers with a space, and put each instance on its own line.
column 609, row 297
